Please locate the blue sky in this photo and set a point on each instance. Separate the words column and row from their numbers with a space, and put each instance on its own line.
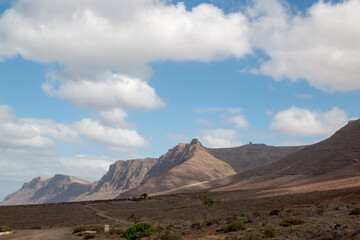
column 83, row 85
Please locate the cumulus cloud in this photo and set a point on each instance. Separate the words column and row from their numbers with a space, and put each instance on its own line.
column 321, row 46
column 220, row 138
column 106, row 91
column 16, row 133
column 298, row 122
column 114, row 138
column 122, row 35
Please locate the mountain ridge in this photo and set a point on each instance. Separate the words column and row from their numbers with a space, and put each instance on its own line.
column 126, row 176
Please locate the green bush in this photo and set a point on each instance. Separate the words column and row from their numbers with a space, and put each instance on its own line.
column 5, row 228
column 356, row 211
column 270, row 232
column 234, row 226
column 169, row 235
column 138, row 230
column 80, row 228
column 290, row 221
column 207, row 201
column 243, row 219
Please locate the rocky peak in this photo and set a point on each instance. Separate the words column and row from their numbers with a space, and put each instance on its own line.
column 195, row 141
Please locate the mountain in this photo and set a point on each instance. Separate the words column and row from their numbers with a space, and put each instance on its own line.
column 192, row 164
column 252, row 155
column 59, row 188
column 186, row 163
column 330, row 164
column 122, row 175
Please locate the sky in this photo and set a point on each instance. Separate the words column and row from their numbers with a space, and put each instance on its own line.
column 85, row 83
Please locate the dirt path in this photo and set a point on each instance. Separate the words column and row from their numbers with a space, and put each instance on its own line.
column 98, row 212
column 40, row 234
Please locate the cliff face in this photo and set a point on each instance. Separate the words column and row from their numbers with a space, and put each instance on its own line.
column 122, row 176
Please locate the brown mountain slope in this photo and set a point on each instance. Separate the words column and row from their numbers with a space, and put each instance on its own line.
column 250, row 156
column 197, row 165
column 59, row 188
column 325, row 163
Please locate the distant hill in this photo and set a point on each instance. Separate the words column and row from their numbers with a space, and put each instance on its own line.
column 331, row 164
column 59, row 188
column 182, row 165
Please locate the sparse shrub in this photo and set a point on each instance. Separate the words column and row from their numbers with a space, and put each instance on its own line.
column 243, row 219
column 169, row 235
column 290, row 221
column 138, row 230
column 80, row 228
column 5, row 228
column 270, row 232
column 251, row 236
column 97, row 228
column 116, row 231
column 89, row 236
column 356, row 211
column 274, row 212
column 234, row 226
column 207, row 201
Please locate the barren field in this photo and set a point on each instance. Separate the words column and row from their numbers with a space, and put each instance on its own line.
column 318, row 215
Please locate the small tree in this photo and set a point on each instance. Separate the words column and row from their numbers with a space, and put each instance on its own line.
column 208, row 202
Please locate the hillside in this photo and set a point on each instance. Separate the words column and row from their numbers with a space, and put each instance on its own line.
column 331, row 164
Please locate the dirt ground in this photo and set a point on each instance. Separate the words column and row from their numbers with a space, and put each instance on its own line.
column 324, row 216
column 40, row 234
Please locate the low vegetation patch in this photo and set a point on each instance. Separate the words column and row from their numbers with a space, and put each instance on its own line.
column 5, row 228
column 78, row 229
column 138, row 230
column 243, row 219
column 89, row 236
column 290, row 221
column 251, row 236
column 270, row 232
column 356, row 211
column 169, row 235
column 235, row 226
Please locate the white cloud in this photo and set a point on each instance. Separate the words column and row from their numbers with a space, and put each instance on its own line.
column 239, row 121
column 107, row 91
column 114, row 138
column 17, row 133
column 123, row 35
column 95, row 166
column 322, row 46
column 220, row 138
column 298, row 122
